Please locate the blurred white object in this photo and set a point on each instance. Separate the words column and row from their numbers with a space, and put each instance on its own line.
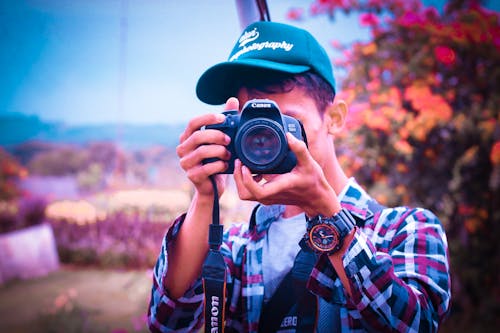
column 28, row 253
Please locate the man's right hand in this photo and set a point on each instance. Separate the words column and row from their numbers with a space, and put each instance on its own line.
column 197, row 145
column 188, row 250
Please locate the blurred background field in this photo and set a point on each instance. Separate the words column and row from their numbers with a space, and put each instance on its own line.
column 108, row 226
column 77, row 300
column 88, row 136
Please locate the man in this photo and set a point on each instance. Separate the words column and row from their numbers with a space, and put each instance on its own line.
column 389, row 270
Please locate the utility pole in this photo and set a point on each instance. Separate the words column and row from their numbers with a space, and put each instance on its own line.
column 252, row 11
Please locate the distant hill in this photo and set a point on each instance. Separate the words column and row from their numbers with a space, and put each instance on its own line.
column 16, row 129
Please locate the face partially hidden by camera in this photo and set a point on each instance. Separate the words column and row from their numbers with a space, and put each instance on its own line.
column 258, row 137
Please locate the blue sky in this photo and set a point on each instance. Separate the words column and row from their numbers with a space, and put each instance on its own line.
column 67, row 61
column 62, row 60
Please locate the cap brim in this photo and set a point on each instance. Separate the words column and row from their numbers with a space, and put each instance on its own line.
column 222, row 81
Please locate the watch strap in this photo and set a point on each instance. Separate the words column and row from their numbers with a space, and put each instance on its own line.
column 345, row 219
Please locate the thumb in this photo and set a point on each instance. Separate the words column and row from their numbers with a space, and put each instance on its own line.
column 232, row 104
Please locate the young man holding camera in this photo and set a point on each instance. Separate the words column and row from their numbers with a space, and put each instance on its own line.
column 355, row 265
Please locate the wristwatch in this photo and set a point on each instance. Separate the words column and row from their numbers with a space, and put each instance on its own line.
column 326, row 234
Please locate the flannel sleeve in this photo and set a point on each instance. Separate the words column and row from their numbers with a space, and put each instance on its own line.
column 166, row 314
column 398, row 270
column 400, row 277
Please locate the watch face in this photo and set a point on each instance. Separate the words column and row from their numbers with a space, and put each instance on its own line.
column 324, row 237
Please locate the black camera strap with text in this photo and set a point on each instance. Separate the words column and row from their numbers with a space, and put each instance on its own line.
column 292, row 292
column 214, row 273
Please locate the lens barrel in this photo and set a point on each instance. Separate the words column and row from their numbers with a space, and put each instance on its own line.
column 261, row 144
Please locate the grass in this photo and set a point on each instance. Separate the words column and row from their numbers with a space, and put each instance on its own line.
column 81, row 300
column 77, row 300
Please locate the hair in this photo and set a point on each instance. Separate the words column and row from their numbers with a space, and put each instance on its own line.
column 278, row 82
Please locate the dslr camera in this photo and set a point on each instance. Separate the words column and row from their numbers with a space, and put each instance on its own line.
column 258, row 137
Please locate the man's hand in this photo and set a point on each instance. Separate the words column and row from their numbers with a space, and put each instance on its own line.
column 196, row 145
column 188, row 250
column 305, row 186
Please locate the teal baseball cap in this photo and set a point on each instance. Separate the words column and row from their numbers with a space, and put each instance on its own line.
column 264, row 46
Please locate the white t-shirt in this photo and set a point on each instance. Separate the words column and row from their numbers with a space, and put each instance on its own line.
column 280, row 249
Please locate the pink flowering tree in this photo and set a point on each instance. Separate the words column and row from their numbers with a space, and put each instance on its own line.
column 424, row 96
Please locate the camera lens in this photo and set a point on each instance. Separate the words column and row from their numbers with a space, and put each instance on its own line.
column 261, row 144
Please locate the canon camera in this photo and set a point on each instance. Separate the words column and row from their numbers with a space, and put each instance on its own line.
column 258, row 137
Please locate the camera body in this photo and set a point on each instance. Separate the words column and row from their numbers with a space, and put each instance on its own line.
column 258, row 137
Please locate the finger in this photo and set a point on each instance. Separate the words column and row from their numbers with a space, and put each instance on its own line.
column 255, row 190
column 197, row 123
column 232, row 103
column 201, row 172
column 202, row 153
column 199, row 138
column 243, row 193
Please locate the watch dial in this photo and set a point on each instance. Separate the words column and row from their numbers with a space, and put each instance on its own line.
column 324, row 237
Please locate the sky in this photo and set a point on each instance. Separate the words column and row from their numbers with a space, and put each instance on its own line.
column 125, row 61
column 120, row 61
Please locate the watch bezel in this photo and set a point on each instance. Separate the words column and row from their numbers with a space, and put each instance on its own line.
column 333, row 246
column 342, row 223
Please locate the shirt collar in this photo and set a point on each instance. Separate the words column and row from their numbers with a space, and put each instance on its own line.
column 265, row 215
column 355, row 199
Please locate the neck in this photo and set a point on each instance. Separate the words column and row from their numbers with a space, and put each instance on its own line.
column 336, row 176
column 292, row 211
column 334, row 173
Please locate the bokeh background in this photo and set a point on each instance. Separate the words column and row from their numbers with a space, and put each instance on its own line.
column 93, row 97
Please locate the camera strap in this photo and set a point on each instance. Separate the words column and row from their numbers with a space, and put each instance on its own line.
column 292, row 297
column 214, row 273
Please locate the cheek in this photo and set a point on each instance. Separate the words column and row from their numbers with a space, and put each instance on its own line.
column 314, row 124
column 317, row 144
column 316, row 133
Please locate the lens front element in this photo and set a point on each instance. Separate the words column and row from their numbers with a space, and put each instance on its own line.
column 260, row 145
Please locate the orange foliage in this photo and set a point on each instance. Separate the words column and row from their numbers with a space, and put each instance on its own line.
column 369, row 49
column 10, row 172
column 424, row 91
column 404, row 148
column 495, row 153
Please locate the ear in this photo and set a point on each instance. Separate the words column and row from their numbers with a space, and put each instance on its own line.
column 336, row 113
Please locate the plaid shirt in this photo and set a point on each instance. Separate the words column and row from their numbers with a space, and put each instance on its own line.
column 397, row 267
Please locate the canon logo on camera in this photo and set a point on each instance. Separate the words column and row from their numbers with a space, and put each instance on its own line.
column 261, row 105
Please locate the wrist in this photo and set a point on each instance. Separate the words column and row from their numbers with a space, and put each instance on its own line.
column 330, row 209
column 201, row 205
column 325, row 210
column 202, row 198
column 328, row 205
